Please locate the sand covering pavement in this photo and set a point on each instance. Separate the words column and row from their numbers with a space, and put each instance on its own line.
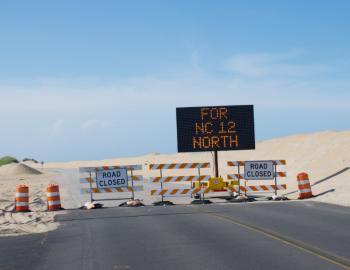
column 36, row 221
column 325, row 156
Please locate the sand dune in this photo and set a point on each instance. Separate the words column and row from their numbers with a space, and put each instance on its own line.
column 319, row 154
column 18, row 169
column 325, row 156
column 38, row 220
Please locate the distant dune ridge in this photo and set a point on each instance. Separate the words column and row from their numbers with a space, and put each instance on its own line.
column 323, row 155
column 17, row 169
column 318, row 153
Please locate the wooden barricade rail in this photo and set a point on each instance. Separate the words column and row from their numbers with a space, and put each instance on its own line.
column 176, row 179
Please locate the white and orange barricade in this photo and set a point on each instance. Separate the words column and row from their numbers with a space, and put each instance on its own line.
column 53, row 197
column 88, row 175
column 179, row 191
column 255, row 188
column 269, row 188
column 174, row 192
column 22, row 198
column 304, row 186
column 236, row 176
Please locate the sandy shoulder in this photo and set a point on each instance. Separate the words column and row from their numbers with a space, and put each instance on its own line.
column 325, row 156
column 36, row 221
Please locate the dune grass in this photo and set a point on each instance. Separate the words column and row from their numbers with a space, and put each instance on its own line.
column 7, row 160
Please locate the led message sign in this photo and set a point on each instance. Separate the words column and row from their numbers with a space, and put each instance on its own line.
column 215, row 128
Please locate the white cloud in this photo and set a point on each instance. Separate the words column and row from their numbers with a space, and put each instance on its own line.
column 131, row 110
column 154, row 94
column 94, row 124
column 85, row 117
column 267, row 64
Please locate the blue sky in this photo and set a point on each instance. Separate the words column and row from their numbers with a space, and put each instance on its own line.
column 101, row 79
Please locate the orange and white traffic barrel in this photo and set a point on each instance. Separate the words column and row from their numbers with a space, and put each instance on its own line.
column 304, row 186
column 22, row 198
column 53, row 197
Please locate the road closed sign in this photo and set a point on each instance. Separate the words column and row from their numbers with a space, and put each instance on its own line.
column 112, row 178
column 259, row 170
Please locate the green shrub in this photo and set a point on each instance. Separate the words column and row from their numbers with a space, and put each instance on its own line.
column 7, row 160
column 30, row 159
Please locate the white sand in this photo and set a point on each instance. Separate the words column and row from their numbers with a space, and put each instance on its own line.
column 36, row 221
column 17, row 169
column 324, row 155
column 320, row 155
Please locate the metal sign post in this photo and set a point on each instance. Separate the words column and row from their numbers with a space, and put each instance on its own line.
column 91, row 198
column 199, row 184
column 161, row 184
column 239, row 181
column 275, row 173
column 216, row 162
column 132, row 184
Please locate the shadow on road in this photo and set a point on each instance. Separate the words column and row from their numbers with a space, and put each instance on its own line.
column 325, row 192
column 323, row 180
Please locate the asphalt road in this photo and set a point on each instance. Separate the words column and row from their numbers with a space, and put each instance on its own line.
column 280, row 235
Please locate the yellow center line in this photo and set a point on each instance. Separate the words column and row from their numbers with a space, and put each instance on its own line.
column 334, row 259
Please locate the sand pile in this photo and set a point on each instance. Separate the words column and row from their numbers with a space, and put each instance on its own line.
column 36, row 221
column 325, row 156
column 19, row 169
column 31, row 163
column 322, row 155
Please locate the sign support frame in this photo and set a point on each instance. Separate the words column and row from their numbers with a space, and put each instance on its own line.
column 91, row 196
column 216, row 163
column 275, row 173
column 239, row 181
column 132, row 182
column 161, row 184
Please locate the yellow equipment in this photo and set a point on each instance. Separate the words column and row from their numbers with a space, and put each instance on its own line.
column 215, row 184
column 231, row 183
column 198, row 184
